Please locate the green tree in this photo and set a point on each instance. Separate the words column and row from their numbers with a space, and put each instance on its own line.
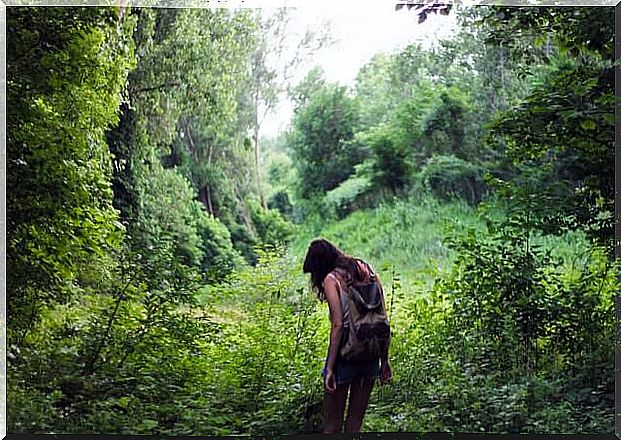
column 375, row 91
column 183, row 121
column 567, row 118
column 319, row 141
column 66, row 68
column 445, row 128
column 391, row 159
column 278, row 52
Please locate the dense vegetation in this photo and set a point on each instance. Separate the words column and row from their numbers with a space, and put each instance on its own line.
column 155, row 239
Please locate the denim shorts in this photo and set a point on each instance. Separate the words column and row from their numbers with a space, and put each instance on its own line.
column 345, row 372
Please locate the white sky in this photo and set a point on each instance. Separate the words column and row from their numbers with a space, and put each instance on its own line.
column 360, row 33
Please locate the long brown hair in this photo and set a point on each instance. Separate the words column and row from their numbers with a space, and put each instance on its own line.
column 322, row 258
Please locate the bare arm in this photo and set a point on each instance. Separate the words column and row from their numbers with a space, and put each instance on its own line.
column 336, row 319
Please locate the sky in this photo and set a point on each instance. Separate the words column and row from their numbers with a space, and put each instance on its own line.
column 359, row 33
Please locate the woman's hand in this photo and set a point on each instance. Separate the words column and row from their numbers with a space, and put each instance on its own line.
column 330, row 381
column 385, row 373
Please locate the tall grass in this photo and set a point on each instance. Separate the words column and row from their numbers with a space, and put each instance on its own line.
column 404, row 237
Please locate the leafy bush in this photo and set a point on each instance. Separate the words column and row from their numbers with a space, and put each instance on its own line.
column 280, row 201
column 391, row 163
column 219, row 256
column 348, row 196
column 271, row 227
column 167, row 216
column 446, row 127
column 449, row 176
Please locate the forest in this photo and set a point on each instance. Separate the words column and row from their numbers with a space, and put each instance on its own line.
column 155, row 237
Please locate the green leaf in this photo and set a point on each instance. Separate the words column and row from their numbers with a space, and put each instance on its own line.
column 588, row 124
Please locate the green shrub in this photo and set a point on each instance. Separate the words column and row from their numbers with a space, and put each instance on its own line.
column 271, row 227
column 347, row 197
column 391, row 163
column 280, row 201
column 219, row 256
column 449, row 176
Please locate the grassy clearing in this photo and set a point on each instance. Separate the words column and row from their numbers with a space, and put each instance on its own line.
column 404, row 239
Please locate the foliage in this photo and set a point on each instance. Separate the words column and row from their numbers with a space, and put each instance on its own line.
column 577, row 29
column 312, row 83
column 281, row 176
column 445, row 128
column 391, row 160
column 219, row 256
column 101, row 351
column 165, row 218
column 271, row 227
column 426, row 8
column 281, row 202
column 568, row 122
column 530, row 304
column 195, row 131
column 281, row 173
column 319, row 140
column 59, row 208
column 375, row 91
column 449, row 176
column 346, row 197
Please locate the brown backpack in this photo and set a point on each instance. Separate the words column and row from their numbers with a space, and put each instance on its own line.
column 366, row 332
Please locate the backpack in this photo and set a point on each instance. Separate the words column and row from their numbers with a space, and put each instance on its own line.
column 366, row 332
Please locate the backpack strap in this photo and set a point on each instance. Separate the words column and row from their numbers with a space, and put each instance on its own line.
column 369, row 268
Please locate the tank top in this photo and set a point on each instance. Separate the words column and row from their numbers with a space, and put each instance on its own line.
column 342, row 297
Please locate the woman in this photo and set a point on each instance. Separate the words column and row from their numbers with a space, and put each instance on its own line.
column 330, row 270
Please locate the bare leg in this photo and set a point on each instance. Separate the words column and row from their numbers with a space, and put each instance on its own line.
column 334, row 408
column 358, row 400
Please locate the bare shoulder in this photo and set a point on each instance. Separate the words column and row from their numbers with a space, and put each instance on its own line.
column 330, row 279
column 335, row 277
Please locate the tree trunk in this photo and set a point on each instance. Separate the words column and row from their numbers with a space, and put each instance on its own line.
column 205, row 196
column 503, row 93
column 257, row 171
column 89, row 367
column 208, row 187
column 209, row 204
column 256, row 167
column 192, row 145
